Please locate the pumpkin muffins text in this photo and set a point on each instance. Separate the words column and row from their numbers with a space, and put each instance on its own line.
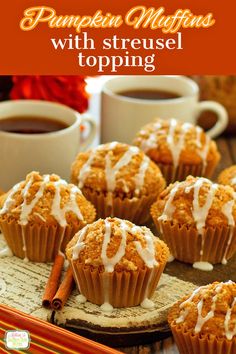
column 137, row 17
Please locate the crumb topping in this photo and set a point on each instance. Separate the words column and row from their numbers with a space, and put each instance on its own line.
column 115, row 244
column 228, row 177
column 170, row 141
column 196, row 202
column 116, row 168
column 209, row 310
column 46, row 198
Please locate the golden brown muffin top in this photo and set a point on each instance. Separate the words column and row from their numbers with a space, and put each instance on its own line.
column 3, row 198
column 228, row 177
column 115, row 244
column 196, row 202
column 117, row 168
column 173, row 142
column 49, row 199
column 210, row 310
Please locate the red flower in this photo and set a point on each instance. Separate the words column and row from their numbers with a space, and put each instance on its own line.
column 69, row 90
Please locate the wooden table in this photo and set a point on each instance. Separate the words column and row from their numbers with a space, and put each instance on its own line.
column 227, row 147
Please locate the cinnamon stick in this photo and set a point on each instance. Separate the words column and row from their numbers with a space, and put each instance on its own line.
column 64, row 290
column 53, row 281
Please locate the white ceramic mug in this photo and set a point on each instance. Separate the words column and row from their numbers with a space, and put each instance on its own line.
column 47, row 153
column 122, row 117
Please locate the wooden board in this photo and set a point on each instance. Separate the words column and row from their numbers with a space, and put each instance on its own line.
column 25, row 283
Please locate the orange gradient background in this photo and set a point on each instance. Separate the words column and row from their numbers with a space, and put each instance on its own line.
column 206, row 51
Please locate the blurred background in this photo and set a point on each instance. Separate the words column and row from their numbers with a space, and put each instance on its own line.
column 83, row 93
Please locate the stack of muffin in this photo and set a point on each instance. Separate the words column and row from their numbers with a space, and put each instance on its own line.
column 164, row 175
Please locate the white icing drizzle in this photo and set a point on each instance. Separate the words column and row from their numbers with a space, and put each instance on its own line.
column 61, row 240
column 147, row 304
column 60, row 213
column 40, row 217
column 56, row 210
column 106, row 307
column 66, row 264
column 227, row 210
column 177, row 147
column 169, row 207
column 79, row 246
column 26, row 209
column 81, row 299
column 228, row 333
column 6, row 252
column 75, row 275
column 85, row 170
column 111, row 171
column 202, row 320
column 112, row 145
column 185, row 311
column 205, row 266
column 147, row 253
column 200, row 213
column 110, row 262
column 152, row 141
column 198, row 137
column 139, row 178
column 10, row 200
column 203, row 149
column 233, row 181
column 26, row 259
column 171, row 258
column 106, row 288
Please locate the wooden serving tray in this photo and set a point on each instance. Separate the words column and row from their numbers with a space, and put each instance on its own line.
column 25, row 283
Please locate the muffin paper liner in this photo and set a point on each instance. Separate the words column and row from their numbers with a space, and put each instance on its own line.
column 180, row 173
column 124, row 289
column 42, row 241
column 135, row 210
column 185, row 243
column 190, row 343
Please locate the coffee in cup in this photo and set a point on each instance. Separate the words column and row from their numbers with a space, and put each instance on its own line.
column 130, row 102
column 41, row 136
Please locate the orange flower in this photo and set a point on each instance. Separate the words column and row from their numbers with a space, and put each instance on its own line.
column 69, row 90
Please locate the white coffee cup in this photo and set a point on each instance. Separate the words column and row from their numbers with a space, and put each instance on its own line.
column 122, row 117
column 48, row 152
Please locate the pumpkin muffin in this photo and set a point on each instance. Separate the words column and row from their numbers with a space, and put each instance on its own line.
column 41, row 214
column 205, row 322
column 196, row 218
column 228, row 177
column 116, row 263
column 3, row 197
column 120, row 180
column 179, row 149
